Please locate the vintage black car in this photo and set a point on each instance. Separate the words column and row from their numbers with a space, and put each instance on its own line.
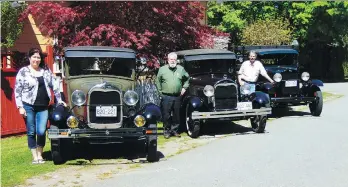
column 213, row 93
column 293, row 85
column 103, row 107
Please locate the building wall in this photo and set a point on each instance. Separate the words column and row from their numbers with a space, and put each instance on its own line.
column 31, row 37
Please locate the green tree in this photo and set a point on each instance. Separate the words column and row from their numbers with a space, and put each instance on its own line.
column 267, row 32
column 10, row 27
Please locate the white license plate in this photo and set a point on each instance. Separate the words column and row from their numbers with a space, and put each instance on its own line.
column 106, row 111
column 244, row 106
column 290, row 83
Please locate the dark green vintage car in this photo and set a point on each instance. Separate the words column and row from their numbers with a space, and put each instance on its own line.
column 103, row 106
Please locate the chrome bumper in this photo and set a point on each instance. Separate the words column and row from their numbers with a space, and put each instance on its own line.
column 231, row 113
column 101, row 133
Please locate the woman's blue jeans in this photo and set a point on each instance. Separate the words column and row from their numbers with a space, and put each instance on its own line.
column 36, row 122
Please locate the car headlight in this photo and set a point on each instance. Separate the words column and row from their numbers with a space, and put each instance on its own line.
column 277, row 77
column 78, row 97
column 131, row 98
column 139, row 121
column 208, row 90
column 72, row 122
column 245, row 89
column 305, row 76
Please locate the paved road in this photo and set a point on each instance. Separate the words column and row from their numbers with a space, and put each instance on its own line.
column 296, row 151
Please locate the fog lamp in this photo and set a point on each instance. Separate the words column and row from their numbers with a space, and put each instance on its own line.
column 72, row 122
column 139, row 121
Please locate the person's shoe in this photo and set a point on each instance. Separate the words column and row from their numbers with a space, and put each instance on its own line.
column 166, row 135
column 41, row 161
column 35, row 162
column 176, row 134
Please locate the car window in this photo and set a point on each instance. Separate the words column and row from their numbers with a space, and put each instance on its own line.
column 214, row 65
column 106, row 66
column 278, row 59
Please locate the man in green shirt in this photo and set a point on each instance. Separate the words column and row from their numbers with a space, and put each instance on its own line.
column 172, row 81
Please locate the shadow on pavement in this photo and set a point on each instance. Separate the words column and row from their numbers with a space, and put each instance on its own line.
column 134, row 153
column 223, row 128
column 287, row 112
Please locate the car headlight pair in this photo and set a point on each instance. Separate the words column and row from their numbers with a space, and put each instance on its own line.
column 131, row 98
column 208, row 90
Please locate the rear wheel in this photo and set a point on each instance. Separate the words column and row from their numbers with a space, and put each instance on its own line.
column 316, row 107
column 193, row 126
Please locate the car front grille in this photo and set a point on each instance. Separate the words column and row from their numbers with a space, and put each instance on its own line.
column 226, row 96
column 107, row 98
column 289, row 90
column 289, row 75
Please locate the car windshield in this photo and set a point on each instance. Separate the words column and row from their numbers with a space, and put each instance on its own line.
column 278, row 59
column 106, row 66
column 215, row 66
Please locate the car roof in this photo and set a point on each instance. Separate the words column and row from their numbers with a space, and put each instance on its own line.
column 98, row 48
column 98, row 51
column 205, row 54
column 203, row 51
column 275, row 51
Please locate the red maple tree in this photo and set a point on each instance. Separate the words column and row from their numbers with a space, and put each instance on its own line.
column 151, row 28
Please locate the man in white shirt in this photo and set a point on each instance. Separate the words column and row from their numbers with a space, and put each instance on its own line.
column 250, row 70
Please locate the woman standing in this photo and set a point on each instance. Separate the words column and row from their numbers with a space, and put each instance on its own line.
column 32, row 95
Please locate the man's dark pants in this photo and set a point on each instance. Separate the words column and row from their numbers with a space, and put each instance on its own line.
column 171, row 103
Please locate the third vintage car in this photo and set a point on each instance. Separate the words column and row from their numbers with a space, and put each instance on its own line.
column 214, row 94
column 294, row 85
column 103, row 108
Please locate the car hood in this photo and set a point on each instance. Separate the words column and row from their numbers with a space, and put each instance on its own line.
column 280, row 69
column 208, row 78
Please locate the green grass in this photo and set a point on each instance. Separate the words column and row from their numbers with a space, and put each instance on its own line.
column 345, row 68
column 16, row 160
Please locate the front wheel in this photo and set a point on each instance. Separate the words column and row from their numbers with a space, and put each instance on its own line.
column 193, row 126
column 258, row 123
column 316, row 107
column 60, row 149
column 152, row 155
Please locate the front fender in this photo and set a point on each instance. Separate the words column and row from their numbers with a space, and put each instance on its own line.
column 195, row 102
column 58, row 115
column 151, row 112
column 317, row 82
column 260, row 99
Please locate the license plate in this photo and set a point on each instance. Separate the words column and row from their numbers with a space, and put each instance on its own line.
column 106, row 111
column 244, row 106
column 290, row 83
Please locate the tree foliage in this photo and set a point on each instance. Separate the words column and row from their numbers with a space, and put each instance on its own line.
column 267, row 32
column 151, row 28
column 10, row 27
column 321, row 28
column 304, row 17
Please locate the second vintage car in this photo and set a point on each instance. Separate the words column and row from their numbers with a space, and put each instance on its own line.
column 294, row 85
column 214, row 94
column 103, row 108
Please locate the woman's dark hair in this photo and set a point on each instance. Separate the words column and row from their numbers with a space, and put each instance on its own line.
column 32, row 51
